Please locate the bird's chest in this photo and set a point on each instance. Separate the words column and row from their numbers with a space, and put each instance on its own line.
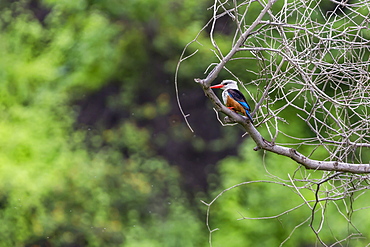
column 225, row 95
column 229, row 101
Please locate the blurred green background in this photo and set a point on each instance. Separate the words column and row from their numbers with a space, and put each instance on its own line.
column 93, row 148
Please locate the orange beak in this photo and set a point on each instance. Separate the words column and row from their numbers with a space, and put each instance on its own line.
column 217, row 86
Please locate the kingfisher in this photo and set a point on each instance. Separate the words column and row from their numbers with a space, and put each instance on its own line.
column 233, row 98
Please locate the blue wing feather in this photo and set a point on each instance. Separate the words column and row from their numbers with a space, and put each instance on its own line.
column 239, row 97
column 245, row 105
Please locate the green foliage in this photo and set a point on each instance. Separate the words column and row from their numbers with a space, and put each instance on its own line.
column 53, row 188
column 86, row 187
column 263, row 194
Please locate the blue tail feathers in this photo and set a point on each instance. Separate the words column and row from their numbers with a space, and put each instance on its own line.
column 249, row 115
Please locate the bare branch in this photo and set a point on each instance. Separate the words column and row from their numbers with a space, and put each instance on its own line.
column 310, row 66
column 316, row 68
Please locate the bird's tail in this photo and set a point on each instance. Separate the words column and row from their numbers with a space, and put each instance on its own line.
column 249, row 116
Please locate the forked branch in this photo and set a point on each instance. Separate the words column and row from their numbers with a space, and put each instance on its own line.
column 319, row 65
column 262, row 143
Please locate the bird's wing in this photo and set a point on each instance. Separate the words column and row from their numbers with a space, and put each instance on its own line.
column 239, row 97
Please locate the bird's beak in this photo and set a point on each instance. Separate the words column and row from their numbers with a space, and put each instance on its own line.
column 217, row 86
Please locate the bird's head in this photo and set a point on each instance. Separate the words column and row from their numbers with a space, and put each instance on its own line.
column 227, row 84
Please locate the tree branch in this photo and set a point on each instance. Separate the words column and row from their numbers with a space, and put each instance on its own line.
column 217, row 69
column 262, row 143
column 326, row 109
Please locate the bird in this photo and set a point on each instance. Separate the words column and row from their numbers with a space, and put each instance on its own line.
column 233, row 98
